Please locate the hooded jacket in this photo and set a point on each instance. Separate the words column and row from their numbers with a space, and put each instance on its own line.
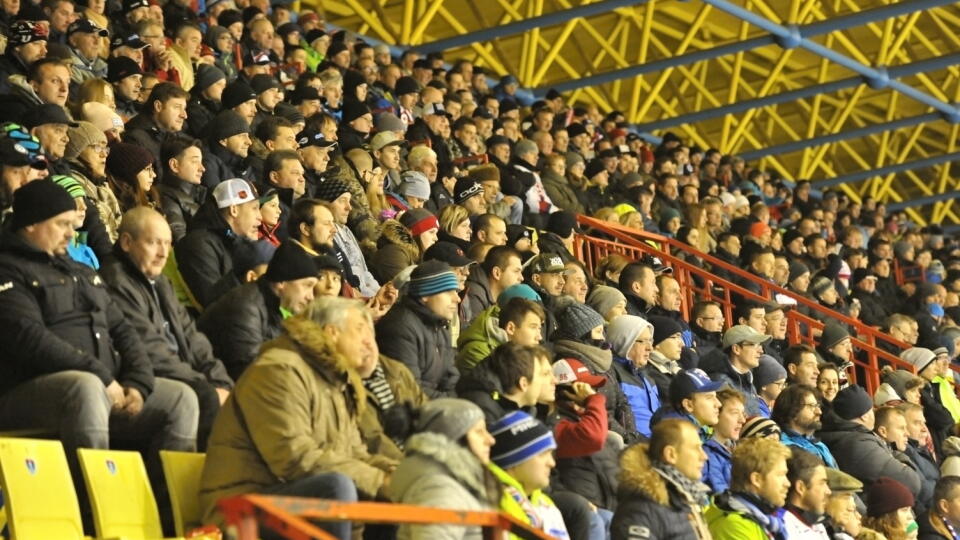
column 651, row 505
column 479, row 340
column 397, row 249
column 476, row 295
column 291, row 416
column 419, row 338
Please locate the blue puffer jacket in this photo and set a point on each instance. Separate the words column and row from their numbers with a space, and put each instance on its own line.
column 810, row 444
column 716, row 471
column 641, row 392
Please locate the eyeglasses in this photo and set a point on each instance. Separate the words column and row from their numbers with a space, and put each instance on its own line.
column 814, row 406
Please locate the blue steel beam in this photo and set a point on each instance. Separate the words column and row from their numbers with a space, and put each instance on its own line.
column 795, row 146
column 843, row 22
column 897, row 72
column 922, row 201
column 889, row 169
column 878, row 77
column 519, row 27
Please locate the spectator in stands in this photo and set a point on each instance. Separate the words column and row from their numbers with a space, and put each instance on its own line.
column 290, row 427
column 575, row 282
column 798, row 414
column 743, row 347
column 758, row 489
column 944, row 517
column 514, row 377
column 546, row 277
column 500, row 270
column 27, row 43
column 858, row 450
column 335, row 192
column 660, row 491
column 835, row 345
column 446, row 466
column 416, row 330
column 85, row 39
column 939, row 418
column 47, row 81
column 668, row 305
column 872, row 309
column 889, row 504
column 181, row 191
column 175, row 348
column 638, row 283
column 607, row 301
column 124, row 75
column 67, row 340
column 769, row 378
column 801, row 364
column 726, row 433
column 557, row 237
column 205, row 97
column 131, row 175
column 891, row 426
column 239, row 322
column 665, row 356
column 808, row 496
column 491, row 229
column 707, row 327
column 228, row 145
column 514, row 319
column 164, row 112
column 693, row 397
column 225, row 224
column 917, row 449
column 631, row 339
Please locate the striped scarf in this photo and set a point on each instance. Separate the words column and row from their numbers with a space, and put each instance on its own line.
column 378, row 387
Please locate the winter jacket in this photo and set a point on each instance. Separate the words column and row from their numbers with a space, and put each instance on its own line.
column 10, row 64
column 600, row 362
column 651, row 506
column 179, row 202
column 57, row 316
column 939, row 420
column 414, row 335
column 810, row 444
column 18, row 100
column 397, row 249
column 482, row 387
column 661, row 371
column 641, row 393
column 98, row 192
column 152, row 309
column 143, row 131
column 932, row 527
column 291, row 416
column 736, row 517
column 126, row 108
column 82, row 69
column 441, row 473
column 801, row 525
column 716, row 471
column 872, row 310
column 347, row 243
column 864, row 455
column 205, row 255
column 200, row 112
column 476, row 295
column 515, row 502
column 480, row 339
column 927, row 470
column 240, row 322
column 722, row 370
column 586, row 463
column 406, row 392
column 561, row 192
column 220, row 164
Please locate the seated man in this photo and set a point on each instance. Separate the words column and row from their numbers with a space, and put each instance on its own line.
column 517, row 320
column 511, row 379
column 290, row 425
column 500, row 270
column 250, row 315
column 797, row 412
column 808, row 496
column 174, row 346
column 65, row 340
column 743, row 346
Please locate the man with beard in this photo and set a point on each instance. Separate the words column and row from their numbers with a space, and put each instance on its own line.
column 797, row 412
column 807, row 498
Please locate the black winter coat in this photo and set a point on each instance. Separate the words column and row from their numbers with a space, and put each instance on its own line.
column 57, row 316
column 205, row 256
column 179, row 202
column 929, row 473
column 200, row 112
column 414, row 335
column 482, row 387
column 220, row 164
column 240, row 322
column 142, row 131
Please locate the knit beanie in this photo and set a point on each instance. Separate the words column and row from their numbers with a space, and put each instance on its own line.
column 918, row 357
column 562, row 223
column 520, row 290
column 852, row 402
column 663, row 328
column 414, row 184
column 406, row 85
column 519, row 437
column 127, row 160
column 335, row 48
column 290, row 262
column 419, row 221
column 448, row 416
column 214, row 32
column 262, row 82
column 819, row 285
column 329, row 189
column 353, row 109
column 226, row 124
column 389, row 122
column 594, row 167
column 236, row 93
column 833, row 333
column 69, row 183
column 524, row 147
column 102, row 117
column 885, row 495
column 465, row 188
column 577, row 321
column 603, row 298
column 573, row 158
column 797, row 269
column 758, row 229
column 623, row 331
column 207, row 75
column 81, row 137
column 430, row 278
column 769, row 371
column 760, row 427
column 39, row 201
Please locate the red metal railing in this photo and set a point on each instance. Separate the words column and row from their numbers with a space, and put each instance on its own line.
column 800, row 328
column 907, row 274
column 293, row 517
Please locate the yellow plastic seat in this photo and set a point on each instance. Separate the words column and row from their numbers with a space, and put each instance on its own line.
column 182, row 471
column 38, row 494
column 120, row 494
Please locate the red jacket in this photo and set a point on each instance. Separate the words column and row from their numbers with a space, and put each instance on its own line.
column 586, row 435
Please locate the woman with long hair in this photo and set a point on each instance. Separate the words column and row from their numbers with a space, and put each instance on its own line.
column 131, row 176
column 890, row 509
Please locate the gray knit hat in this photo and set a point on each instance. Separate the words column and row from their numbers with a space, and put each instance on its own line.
column 577, row 321
column 389, row 122
column 768, row 371
column 207, row 75
column 415, row 184
column 448, row 416
column 623, row 331
column 603, row 298
column 833, row 333
column 84, row 135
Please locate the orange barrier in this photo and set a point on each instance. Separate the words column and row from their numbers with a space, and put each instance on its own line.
column 907, row 274
column 292, row 517
column 800, row 328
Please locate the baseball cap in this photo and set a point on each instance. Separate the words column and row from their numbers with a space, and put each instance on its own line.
column 384, row 139
column 130, row 5
column 449, row 253
column 312, row 137
column 233, row 192
column 47, row 113
column 742, row 333
column 131, row 40
column 569, row 371
column 689, row 382
column 86, row 26
column 546, row 263
column 434, row 108
column 15, row 154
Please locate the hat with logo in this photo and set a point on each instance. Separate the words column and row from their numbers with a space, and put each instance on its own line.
column 130, row 5
column 547, row 263
column 312, row 137
column 23, row 32
column 519, row 437
column 449, row 253
column 742, row 333
column 569, row 371
column 132, row 40
column 121, row 67
column 255, row 57
column 86, row 26
column 233, row 192
column 466, row 188
column 689, row 382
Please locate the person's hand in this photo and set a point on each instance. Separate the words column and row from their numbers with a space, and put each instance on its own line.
column 163, row 59
column 510, row 200
column 387, row 295
column 134, row 401
column 222, row 395
column 377, row 310
column 116, row 397
column 581, row 391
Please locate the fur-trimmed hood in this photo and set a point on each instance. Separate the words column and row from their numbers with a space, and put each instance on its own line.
column 393, row 232
column 637, row 475
column 459, row 462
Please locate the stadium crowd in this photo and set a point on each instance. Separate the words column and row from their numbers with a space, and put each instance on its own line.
column 348, row 275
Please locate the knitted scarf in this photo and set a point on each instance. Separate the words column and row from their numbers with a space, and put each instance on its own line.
column 694, row 490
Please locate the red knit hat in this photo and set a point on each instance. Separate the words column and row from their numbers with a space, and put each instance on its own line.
column 127, row 160
column 886, row 495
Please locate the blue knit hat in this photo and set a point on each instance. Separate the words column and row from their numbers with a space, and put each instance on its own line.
column 520, row 290
column 430, row 278
column 519, row 437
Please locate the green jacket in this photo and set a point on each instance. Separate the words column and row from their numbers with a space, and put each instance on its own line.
column 536, row 510
column 480, row 339
column 948, row 396
column 732, row 525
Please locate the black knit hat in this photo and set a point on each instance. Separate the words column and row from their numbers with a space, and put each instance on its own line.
column 226, row 124
column 562, row 223
column 663, row 327
column 39, row 201
column 125, row 160
column 290, row 262
column 406, row 85
column 336, row 48
column 852, row 402
column 329, row 189
column 236, row 93
column 207, row 75
column 121, row 67
column 353, row 109
column 594, row 167
column 263, row 82
column 465, row 188
column 577, row 321
column 797, row 269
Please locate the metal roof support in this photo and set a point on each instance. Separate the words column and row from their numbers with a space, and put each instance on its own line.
column 889, row 169
column 922, row 201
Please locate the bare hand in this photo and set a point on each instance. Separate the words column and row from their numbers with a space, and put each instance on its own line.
column 222, row 395
column 134, row 401
column 116, row 397
column 581, row 391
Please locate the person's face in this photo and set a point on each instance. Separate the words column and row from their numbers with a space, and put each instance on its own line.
column 829, row 384
column 781, row 270
column 356, row 341
column 763, row 265
column 247, row 219
column 389, row 157
column 688, row 455
column 501, row 152
column 732, row 246
column 748, row 354
column 87, row 43
column 544, row 383
column 639, row 352
column 129, row 87
column 528, row 332
column 62, row 16
column 53, row 138
column 190, row 40
column 534, row 473
column 148, row 84
column 479, row 441
column 269, row 98
column 842, row 510
column 33, row 51
column 757, row 320
column 705, row 407
column 511, row 274
column 801, row 282
column 146, row 177
column 341, row 208
column 771, row 391
column 462, row 230
column 648, row 287
column 806, row 372
column 315, row 158
column 491, row 189
column 52, row 236
column 270, row 212
column 225, row 42
column 895, row 431
column 916, row 425
column 238, row 144
column 329, row 283
column 95, row 157
column 443, row 304
column 429, row 168
column 54, row 85
column 818, row 492
column 188, row 166
column 296, row 294
column 552, row 282
column 669, row 294
column 291, row 176
column 843, row 349
column 671, row 347
column 776, row 324
column 712, row 319
column 247, row 109
column 171, row 114
column 575, row 283
column 149, row 250
column 808, row 418
column 774, row 485
column 730, row 420
column 496, row 233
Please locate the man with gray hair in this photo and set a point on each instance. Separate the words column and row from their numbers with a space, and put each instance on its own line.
column 290, row 426
column 537, row 204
